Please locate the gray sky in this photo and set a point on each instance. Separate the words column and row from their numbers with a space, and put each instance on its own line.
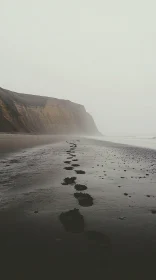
column 95, row 52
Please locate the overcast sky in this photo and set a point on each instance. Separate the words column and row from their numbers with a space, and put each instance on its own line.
column 95, row 52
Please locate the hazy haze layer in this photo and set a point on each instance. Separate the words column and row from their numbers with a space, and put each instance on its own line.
column 97, row 53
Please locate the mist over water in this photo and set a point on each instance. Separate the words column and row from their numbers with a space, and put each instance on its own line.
column 145, row 142
column 138, row 141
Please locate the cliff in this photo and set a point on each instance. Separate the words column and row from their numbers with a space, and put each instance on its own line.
column 43, row 115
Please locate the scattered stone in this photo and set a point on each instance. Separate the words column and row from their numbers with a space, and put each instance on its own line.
column 69, row 181
column 80, row 187
column 119, row 186
column 72, row 221
column 84, row 199
column 36, row 211
column 80, row 171
column 148, row 195
column 122, row 177
column 125, row 194
column 153, row 211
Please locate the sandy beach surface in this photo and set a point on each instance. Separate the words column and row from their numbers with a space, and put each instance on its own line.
column 77, row 208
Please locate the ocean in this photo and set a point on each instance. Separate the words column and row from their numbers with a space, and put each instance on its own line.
column 138, row 141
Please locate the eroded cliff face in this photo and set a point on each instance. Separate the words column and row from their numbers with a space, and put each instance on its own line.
column 44, row 115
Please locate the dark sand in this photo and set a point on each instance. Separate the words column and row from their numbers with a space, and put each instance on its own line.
column 46, row 234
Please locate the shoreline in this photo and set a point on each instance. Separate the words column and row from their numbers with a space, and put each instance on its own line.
column 14, row 142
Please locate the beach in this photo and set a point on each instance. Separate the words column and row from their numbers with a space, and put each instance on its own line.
column 77, row 208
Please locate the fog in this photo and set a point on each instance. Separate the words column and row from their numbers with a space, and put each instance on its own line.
column 97, row 53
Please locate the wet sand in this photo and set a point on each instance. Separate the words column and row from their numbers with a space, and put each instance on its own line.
column 15, row 142
column 97, row 219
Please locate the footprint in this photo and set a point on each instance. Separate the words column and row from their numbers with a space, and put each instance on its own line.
column 80, row 171
column 84, row 199
column 122, row 218
column 69, row 181
column 75, row 165
column 67, row 161
column 75, row 160
column 98, row 238
column 72, row 221
column 80, row 187
column 68, row 168
column 14, row 161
